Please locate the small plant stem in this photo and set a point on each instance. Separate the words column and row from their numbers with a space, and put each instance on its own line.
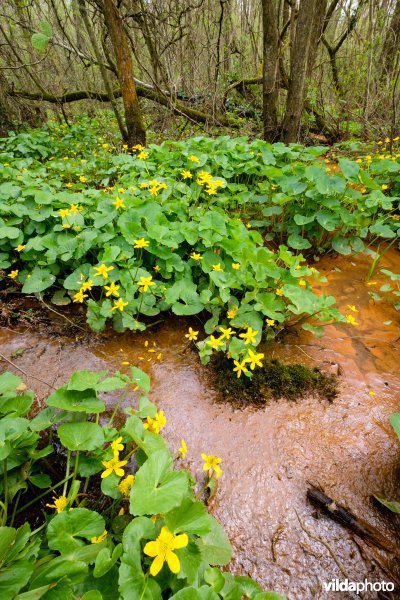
column 204, row 487
column 123, row 395
column 15, row 507
column 75, row 467
column 28, row 504
column 67, row 472
column 5, row 485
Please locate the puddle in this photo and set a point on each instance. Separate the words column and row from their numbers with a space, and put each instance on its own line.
column 269, row 455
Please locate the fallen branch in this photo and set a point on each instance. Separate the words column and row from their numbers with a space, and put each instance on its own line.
column 144, row 92
column 10, row 362
column 342, row 515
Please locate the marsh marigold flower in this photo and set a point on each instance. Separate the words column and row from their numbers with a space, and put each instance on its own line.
column 142, row 243
column 103, row 271
column 112, row 289
column 254, row 359
column 80, row 296
column 240, row 367
column 119, row 305
column 182, row 451
column 191, row 335
column 214, row 342
column 100, row 538
column 13, row 274
column 117, row 446
column 249, row 336
column 113, row 466
column 162, row 550
column 211, row 464
column 145, row 283
column 157, row 423
column 125, row 485
column 59, row 503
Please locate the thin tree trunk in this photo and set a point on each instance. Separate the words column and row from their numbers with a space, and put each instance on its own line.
column 270, row 68
column 136, row 133
column 391, row 44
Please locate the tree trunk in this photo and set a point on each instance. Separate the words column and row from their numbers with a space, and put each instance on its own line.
column 391, row 44
column 136, row 133
column 309, row 23
column 270, row 68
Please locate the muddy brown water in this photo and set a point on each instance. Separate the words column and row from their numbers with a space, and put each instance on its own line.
column 270, row 454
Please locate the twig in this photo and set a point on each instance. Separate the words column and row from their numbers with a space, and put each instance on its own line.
column 61, row 315
column 324, row 543
column 10, row 362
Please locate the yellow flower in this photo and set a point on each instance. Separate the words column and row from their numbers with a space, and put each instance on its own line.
column 104, row 146
column 254, row 359
column 13, row 274
column 359, row 160
column 162, row 551
column 350, row 319
column 144, row 184
column 74, row 208
column 217, row 267
column 236, row 266
column 226, row 333
column 183, row 449
column 270, row 322
column 240, row 367
column 102, row 537
column 103, row 271
column 119, row 305
column 384, row 186
column 215, row 343
column 112, row 289
column 86, row 286
column 113, row 465
column 142, row 243
column 119, row 203
column 64, row 212
column 186, row 175
column 59, row 503
column 280, row 292
column 82, row 179
column 371, row 393
column 145, row 283
column 387, row 140
column 80, row 296
column 249, row 336
column 125, row 485
column 192, row 335
column 211, row 463
column 143, row 155
column 117, row 446
column 196, row 256
column 193, row 158
column 302, row 283
column 211, row 190
column 231, row 314
column 20, row 247
column 352, row 307
column 138, row 147
column 66, row 226
column 157, row 423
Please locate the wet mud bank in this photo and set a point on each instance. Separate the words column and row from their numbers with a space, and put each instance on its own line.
column 270, row 455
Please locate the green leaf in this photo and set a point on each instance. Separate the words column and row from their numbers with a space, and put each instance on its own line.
column 14, row 577
column 9, row 382
column 268, row 596
column 67, row 531
column 296, row 241
column 41, row 481
column 81, row 436
column 85, row 401
column 46, row 28
column 10, row 233
column 189, row 517
column 40, row 41
column 395, row 422
column 393, row 506
column 350, row 169
column 341, row 245
column 105, row 561
column 157, row 487
column 85, row 380
column 141, row 379
column 215, row 546
column 38, row 280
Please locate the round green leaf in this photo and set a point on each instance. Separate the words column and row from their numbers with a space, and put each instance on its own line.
column 81, row 436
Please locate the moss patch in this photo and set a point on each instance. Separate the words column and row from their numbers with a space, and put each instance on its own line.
column 273, row 380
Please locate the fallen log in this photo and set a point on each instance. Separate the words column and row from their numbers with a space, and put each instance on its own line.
column 361, row 528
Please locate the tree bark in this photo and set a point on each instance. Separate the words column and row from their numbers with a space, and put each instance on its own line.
column 136, row 133
column 308, row 24
column 270, row 69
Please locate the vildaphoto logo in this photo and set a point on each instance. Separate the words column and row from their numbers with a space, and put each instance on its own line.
column 336, row 585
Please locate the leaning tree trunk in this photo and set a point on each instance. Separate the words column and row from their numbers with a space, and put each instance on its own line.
column 270, row 68
column 136, row 133
column 304, row 46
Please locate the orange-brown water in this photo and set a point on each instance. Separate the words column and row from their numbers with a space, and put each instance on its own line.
column 270, row 455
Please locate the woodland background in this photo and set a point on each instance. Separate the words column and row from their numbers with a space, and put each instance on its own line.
column 283, row 69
